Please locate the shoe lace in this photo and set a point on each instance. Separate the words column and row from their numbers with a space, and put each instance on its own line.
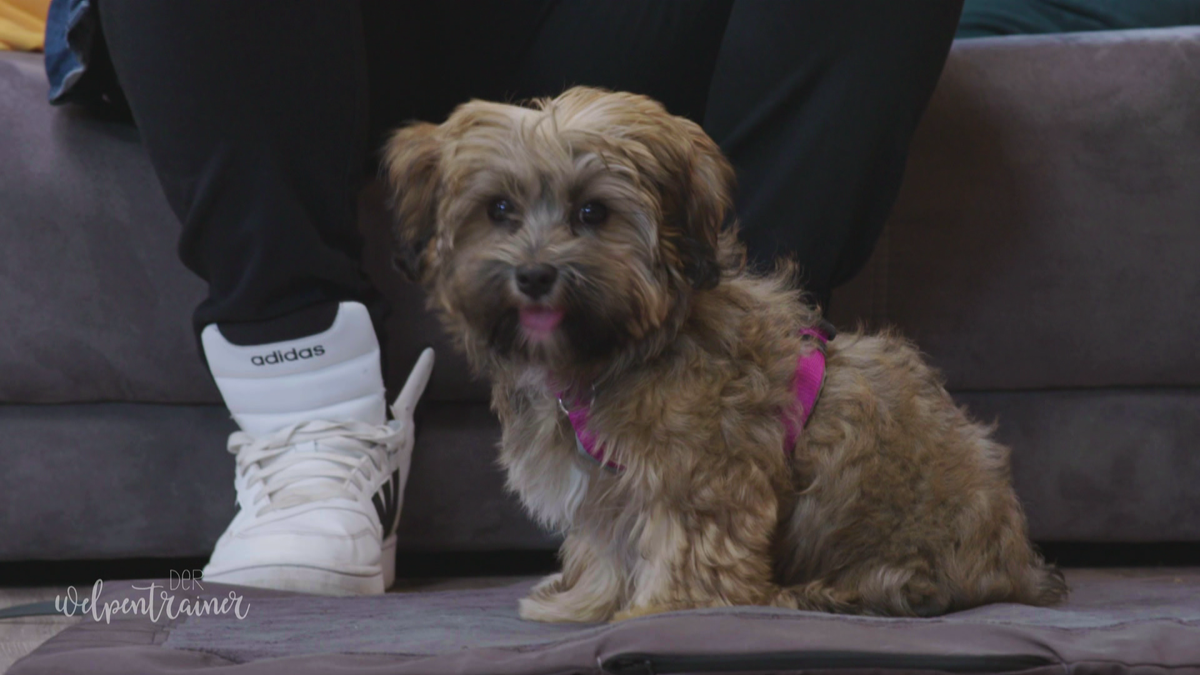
column 313, row 460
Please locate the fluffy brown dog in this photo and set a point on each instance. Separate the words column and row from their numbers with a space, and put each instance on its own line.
column 576, row 249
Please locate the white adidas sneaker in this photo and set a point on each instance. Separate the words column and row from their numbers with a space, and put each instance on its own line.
column 320, row 472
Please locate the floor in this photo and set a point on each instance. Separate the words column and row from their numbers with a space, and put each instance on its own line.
column 20, row 636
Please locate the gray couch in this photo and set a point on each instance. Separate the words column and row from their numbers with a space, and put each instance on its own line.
column 1045, row 252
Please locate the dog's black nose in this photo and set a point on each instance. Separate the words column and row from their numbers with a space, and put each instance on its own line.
column 536, row 280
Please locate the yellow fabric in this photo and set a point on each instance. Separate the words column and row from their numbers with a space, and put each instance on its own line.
column 23, row 24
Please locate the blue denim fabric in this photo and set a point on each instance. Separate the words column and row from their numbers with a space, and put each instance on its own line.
column 991, row 18
column 71, row 32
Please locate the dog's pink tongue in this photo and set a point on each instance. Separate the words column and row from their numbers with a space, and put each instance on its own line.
column 540, row 321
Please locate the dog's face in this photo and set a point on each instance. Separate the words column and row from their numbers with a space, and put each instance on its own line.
column 564, row 234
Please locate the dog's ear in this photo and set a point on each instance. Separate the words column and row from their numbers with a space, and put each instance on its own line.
column 698, row 188
column 710, row 190
column 411, row 165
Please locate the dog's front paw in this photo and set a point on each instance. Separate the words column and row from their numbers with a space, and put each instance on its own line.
column 557, row 608
column 551, row 603
column 548, row 585
column 535, row 608
column 641, row 610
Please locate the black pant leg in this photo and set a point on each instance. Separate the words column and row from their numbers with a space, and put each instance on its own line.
column 665, row 49
column 255, row 118
column 815, row 103
column 427, row 58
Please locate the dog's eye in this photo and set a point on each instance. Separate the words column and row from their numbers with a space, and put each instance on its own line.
column 592, row 213
column 500, row 210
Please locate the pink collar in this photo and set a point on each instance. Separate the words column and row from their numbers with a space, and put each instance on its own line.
column 807, row 384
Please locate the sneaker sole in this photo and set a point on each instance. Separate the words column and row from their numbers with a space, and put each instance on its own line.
column 316, row 580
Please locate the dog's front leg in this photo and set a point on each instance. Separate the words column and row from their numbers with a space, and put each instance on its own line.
column 711, row 550
column 588, row 589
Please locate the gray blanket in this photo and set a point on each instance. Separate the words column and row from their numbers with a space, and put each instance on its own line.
column 1115, row 622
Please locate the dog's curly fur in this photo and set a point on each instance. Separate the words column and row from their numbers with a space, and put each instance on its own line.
column 893, row 501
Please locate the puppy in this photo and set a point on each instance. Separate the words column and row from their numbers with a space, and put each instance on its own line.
column 577, row 249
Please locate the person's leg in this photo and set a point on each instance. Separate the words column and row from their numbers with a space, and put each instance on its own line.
column 520, row 49
column 815, row 103
column 255, row 118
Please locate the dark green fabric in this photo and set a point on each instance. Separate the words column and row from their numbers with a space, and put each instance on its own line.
column 990, row 18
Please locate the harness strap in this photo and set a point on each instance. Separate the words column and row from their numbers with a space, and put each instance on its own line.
column 806, row 385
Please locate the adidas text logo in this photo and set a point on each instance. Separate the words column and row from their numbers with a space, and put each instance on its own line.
column 290, row 355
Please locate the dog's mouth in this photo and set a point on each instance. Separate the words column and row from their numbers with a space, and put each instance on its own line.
column 564, row 330
column 540, row 321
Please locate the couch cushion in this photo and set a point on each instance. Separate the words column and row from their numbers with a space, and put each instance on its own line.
column 93, row 301
column 1101, row 466
column 96, row 305
column 1048, row 231
column 1045, row 236
column 113, row 480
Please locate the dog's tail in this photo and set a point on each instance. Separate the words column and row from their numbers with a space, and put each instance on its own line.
column 818, row 596
column 1039, row 583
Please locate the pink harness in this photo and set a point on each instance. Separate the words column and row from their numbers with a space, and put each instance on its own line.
column 807, row 383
